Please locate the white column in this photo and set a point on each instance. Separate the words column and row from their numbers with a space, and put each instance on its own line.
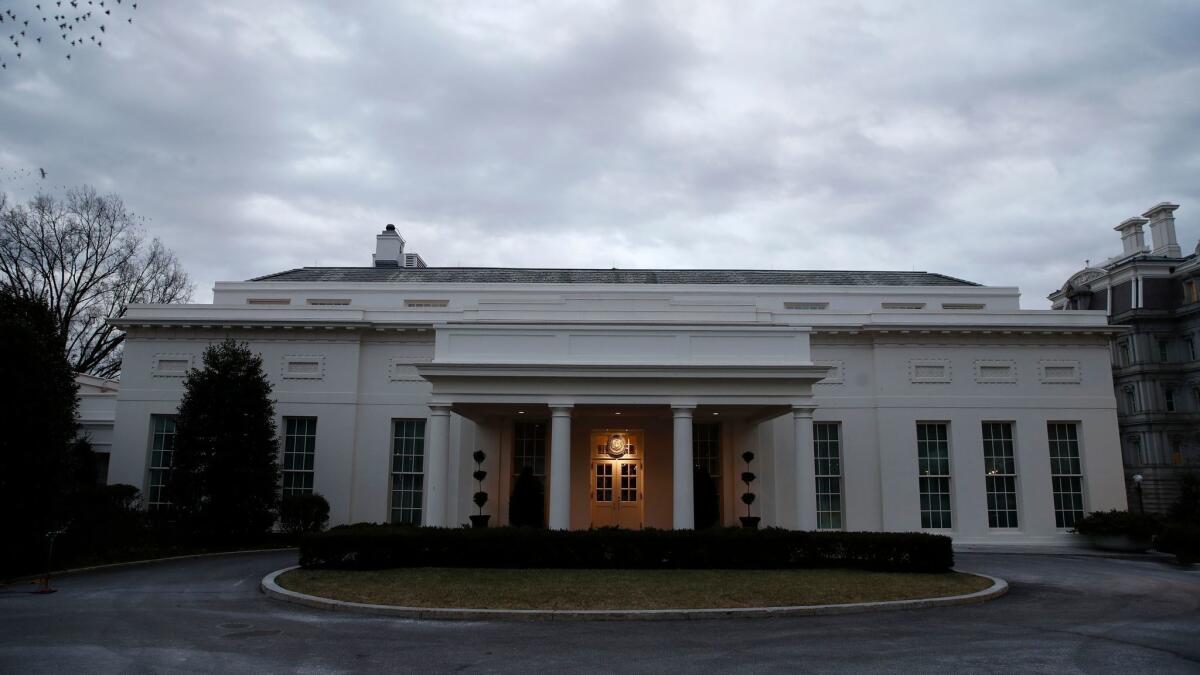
column 806, row 481
column 560, row 467
column 437, row 460
column 685, row 516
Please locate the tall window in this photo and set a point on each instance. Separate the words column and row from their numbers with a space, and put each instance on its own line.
column 1000, row 474
column 1123, row 348
column 408, row 467
column 299, row 449
column 529, row 449
column 1163, row 350
column 1169, row 397
column 1130, row 400
column 162, row 448
column 1066, row 472
column 1190, row 345
column 706, row 453
column 827, row 453
column 933, row 464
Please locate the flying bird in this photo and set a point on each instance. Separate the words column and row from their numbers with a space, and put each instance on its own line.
column 43, row 172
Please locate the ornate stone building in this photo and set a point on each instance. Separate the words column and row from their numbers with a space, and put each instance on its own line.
column 1152, row 290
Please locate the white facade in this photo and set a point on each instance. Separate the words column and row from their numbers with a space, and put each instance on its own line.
column 96, row 416
column 479, row 362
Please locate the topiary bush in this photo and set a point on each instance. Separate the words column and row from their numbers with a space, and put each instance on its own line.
column 302, row 514
column 390, row 546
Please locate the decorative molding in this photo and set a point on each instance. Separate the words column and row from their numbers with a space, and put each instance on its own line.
column 1059, row 372
column 171, row 365
column 994, row 371
column 930, row 371
column 837, row 372
column 303, row 367
column 404, row 368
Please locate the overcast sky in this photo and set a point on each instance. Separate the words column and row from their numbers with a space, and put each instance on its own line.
column 998, row 142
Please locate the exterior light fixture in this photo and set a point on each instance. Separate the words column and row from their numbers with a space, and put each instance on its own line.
column 520, row 412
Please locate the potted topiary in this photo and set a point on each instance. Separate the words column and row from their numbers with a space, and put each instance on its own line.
column 1119, row 530
column 748, row 497
column 481, row 497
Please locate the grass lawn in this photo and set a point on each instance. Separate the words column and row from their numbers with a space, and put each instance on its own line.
column 621, row 589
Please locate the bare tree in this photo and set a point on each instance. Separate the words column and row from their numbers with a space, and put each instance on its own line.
column 86, row 256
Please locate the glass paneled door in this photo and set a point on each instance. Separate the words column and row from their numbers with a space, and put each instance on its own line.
column 617, row 493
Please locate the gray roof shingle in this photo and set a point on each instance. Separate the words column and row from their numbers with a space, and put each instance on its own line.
column 500, row 275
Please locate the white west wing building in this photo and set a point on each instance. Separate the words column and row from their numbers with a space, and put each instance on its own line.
column 889, row 401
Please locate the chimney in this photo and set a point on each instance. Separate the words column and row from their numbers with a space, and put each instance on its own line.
column 389, row 248
column 1162, row 230
column 1132, row 239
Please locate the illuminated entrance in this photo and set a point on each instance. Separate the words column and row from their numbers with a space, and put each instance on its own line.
column 617, row 478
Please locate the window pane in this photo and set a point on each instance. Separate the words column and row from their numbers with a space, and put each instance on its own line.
column 162, row 448
column 299, row 450
column 933, row 465
column 408, row 447
column 827, row 457
column 1066, row 473
column 999, row 465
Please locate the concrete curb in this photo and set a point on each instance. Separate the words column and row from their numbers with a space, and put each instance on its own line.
column 147, row 561
column 273, row 590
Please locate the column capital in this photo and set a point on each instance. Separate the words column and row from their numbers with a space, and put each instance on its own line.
column 682, row 409
column 561, row 409
column 803, row 410
column 440, row 408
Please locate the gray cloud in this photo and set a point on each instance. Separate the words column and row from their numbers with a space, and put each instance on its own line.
column 998, row 143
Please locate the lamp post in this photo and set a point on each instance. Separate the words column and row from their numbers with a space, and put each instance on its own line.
column 1137, row 488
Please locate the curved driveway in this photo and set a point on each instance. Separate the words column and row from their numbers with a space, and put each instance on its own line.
column 1064, row 614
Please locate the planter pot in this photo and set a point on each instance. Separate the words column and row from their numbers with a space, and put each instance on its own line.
column 1119, row 542
column 479, row 521
column 750, row 522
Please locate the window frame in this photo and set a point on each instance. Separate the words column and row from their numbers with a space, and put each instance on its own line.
column 835, row 520
column 307, row 475
column 706, row 437
column 1008, row 518
column 945, row 516
column 410, row 506
column 154, row 489
column 1060, row 521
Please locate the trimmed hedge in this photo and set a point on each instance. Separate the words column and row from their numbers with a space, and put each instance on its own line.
column 1117, row 523
column 368, row 546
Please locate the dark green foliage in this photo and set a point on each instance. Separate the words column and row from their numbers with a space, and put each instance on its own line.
column 1186, row 508
column 301, row 514
column 108, row 518
column 480, row 497
column 38, row 408
column 527, row 505
column 224, row 482
column 706, row 504
column 387, row 546
column 1182, row 539
column 1117, row 523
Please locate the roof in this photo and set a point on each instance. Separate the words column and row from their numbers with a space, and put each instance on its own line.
column 500, row 275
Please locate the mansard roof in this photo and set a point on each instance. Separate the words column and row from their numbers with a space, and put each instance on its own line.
column 500, row 275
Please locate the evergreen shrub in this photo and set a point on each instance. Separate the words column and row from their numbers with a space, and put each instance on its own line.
column 369, row 546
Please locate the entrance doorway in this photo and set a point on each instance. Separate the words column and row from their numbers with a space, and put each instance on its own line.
column 617, row 479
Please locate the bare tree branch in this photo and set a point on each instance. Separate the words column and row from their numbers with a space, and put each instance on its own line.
column 86, row 256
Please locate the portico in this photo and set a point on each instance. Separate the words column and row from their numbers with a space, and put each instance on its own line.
column 643, row 390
